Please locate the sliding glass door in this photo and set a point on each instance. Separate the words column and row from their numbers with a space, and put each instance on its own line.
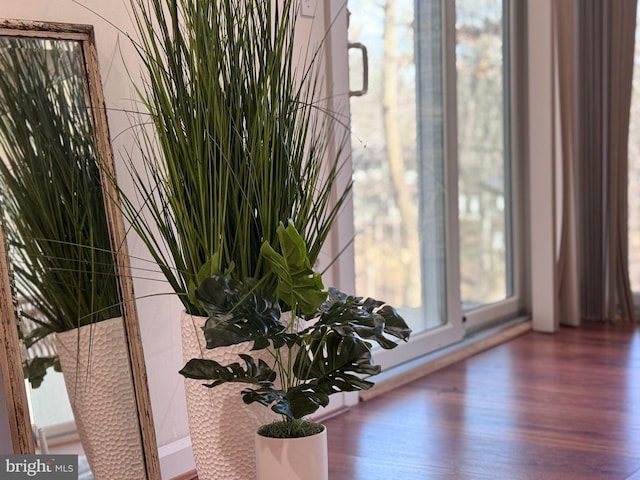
column 432, row 164
column 489, row 165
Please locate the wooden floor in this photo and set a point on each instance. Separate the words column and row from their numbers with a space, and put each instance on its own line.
column 541, row 407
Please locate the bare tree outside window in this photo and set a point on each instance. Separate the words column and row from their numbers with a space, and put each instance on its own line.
column 384, row 155
column 634, row 170
column 394, row 242
column 482, row 156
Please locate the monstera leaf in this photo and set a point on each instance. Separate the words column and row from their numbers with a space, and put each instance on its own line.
column 298, row 285
column 34, row 370
column 334, row 362
column 327, row 364
column 203, row 369
column 367, row 318
column 209, row 269
column 238, row 313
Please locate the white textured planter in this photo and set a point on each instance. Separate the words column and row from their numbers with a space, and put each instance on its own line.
column 97, row 374
column 222, row 426
column 292, row 458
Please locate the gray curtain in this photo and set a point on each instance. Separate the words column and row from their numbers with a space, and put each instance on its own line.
column 605, row 45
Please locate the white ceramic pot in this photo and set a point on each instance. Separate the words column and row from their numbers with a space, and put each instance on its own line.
column 95, row 365
column 292, row 458
column 222, row 426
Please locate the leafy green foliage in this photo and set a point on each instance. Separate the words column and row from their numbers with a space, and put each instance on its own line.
column 297, row 284
column 54, row 210
column 325, row 352
column 368, row 318
column 239, row 143
column 259, row 374
column 35, row 369
column 290, row 429
column 238, row 314
column 54, row 215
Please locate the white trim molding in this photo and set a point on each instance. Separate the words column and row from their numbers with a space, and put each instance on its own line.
column 542, row 228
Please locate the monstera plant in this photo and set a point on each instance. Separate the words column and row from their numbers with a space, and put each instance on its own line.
column 320, row 346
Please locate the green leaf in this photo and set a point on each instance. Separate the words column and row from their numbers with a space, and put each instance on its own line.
column 298, row 285
column 266, row 396
column 367, row 318
column 209, row 268
column 293, row 249
column 35, row 370
column 305, row 399
column 328, row 363
column 328, row 355
column 219, row 295
column 394, row 324
column 295, row 403
column 238, row 314
column 204, row 369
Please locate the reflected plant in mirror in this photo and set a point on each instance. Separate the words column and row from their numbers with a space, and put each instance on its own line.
column 55, row 220
column 59, row 244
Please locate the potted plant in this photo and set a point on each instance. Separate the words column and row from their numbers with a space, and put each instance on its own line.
column 55, row 220
column 320, row 347
column 233, row 142
column 58, row 238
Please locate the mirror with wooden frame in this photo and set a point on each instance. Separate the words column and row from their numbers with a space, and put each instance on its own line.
column 63, row 257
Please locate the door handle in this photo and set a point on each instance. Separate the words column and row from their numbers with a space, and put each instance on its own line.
column 365, row 69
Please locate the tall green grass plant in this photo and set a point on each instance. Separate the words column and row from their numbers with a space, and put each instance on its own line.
column 53, row 208
column 54, row 211
column 238, row 143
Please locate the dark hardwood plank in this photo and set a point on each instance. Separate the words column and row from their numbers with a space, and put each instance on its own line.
column 563, row 406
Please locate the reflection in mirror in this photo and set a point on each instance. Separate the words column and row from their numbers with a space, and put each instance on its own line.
column 56, row 222
column 64, row 274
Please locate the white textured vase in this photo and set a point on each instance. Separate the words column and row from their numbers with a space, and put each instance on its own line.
column 97, row 374
column 222, row 426
column 303, row 458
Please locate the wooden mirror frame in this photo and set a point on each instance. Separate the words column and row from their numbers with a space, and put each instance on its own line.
column 10, row 357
